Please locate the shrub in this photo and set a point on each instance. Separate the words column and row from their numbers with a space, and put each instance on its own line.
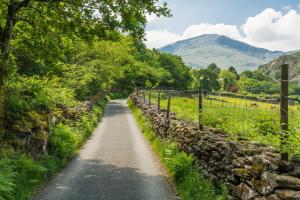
column 63, row 142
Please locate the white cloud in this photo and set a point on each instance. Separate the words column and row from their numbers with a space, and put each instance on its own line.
column 156, row 39
column 269, row 29
column 273, row 30
column 221, row 29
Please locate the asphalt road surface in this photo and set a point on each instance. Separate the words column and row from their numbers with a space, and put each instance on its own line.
column 115, row 164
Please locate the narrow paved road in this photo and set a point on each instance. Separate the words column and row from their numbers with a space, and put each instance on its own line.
column 115, row 164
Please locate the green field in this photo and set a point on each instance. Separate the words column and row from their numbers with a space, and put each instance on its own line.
column 257, row 121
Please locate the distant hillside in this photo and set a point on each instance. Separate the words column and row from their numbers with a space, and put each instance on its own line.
column 199, row 52
column 273, row 68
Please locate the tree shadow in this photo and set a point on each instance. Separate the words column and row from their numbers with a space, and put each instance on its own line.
column 94, row 180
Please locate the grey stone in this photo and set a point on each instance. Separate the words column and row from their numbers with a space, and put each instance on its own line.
column 288, row 194
column 288, row 182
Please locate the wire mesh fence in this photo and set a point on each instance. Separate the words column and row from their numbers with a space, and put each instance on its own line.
column 240, row 116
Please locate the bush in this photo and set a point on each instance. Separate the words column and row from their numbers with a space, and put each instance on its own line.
column 26, row 94
column 63, row 142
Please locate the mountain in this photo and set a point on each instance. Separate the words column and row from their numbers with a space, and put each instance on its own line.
column 199, row 52
column 273, row 68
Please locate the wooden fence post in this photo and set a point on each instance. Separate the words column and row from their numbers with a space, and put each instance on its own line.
column 169, row 106
column 150, row 94
column 137, row 92
column 284, row 106
column 168, row 113
column 200, row 108
column 158, row 101
column 144, row 95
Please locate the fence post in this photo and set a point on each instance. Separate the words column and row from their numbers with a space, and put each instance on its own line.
column 144, row 95
column 200, row 108
column 168, row 113
column 284, row 106
column 169, row 106
column 137, row 92
column 150, row 94
column 158, row 101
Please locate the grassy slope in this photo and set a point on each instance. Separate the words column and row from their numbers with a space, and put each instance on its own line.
column 222, row 56
column 273, row 68
column 20, row 174
column 232, row 116
column 189, row 182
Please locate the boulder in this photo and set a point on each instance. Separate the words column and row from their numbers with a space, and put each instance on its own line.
column 266, row 184
column 286, row 194
column 289, row 182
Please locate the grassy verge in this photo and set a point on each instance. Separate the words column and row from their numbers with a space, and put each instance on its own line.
column 189, row 182
column 20, row 174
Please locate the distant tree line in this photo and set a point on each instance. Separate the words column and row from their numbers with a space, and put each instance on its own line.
column 213, row 78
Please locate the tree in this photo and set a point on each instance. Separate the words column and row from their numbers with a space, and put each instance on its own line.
column 81, row 18
column 181, row 77
column 214, row 68
column 208, row 78
column 233, row 70
column 247, row 74
column 229, row 79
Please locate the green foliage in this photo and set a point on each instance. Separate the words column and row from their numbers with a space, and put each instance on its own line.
column 63, row 142
column 20, row 173
column 256, row 87
column 180, row 73
column 208, row 79
column 33, row 93
column 191, row 185
column 228, row 78
column 7, row 176
column 264, row 125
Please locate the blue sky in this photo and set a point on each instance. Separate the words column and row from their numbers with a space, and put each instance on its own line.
column 204, row 15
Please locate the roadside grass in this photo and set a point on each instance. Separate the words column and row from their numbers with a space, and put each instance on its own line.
column 20, row 174
column 190, row 183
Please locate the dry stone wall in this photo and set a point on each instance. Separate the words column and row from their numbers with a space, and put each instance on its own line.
column 251, row 171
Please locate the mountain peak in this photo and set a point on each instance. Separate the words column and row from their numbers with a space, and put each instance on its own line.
column 202, row 50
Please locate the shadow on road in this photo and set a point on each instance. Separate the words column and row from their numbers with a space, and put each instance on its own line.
column 99, row 181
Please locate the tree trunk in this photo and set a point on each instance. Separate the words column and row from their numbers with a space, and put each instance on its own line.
column 2, row 106
column 5, row 38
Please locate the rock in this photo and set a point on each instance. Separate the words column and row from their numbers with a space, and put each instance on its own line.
column 295, row 172
column 288, row 194
column 216, row 155
column 288, row 182
column 242, row 172
column 240, row 162
column 285, row 166
column 54, row 120
column 229, row 197
column 260, row 198
column 263, row 163
column 266, row 184
column 244, row 192
column 273, row 197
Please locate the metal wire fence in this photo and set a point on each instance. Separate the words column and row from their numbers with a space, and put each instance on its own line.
column 240, row 116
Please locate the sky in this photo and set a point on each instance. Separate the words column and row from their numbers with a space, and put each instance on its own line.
column 270, row 24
